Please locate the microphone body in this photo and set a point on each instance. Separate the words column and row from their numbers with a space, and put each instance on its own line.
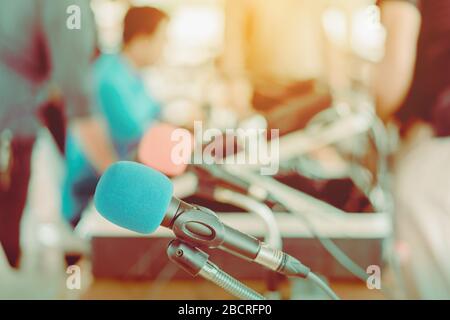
column 202, row 227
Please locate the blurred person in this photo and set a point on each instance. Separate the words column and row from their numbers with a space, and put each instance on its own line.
column 413, row 89
column 123, row 100
column 275, row 63
column 41, row 60
column 270, row 47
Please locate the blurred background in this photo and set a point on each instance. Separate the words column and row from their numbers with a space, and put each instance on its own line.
column 358, row 90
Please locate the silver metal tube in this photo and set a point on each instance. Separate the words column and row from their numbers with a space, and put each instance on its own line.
column 222, row 279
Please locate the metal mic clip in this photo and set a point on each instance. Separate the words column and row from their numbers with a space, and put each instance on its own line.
column 196, row 262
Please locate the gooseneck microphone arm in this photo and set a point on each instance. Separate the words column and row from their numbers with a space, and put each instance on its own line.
column 201, row 227
column 196, row 262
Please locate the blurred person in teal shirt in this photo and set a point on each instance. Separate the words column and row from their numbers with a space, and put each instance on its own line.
column 122, row 99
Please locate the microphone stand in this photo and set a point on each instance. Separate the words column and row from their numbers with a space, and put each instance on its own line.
column 196, row 262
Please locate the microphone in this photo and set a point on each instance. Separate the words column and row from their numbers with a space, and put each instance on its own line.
column 140, row 199
column 158, row 149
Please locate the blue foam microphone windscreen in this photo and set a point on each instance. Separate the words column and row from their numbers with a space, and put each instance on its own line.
column 133, row 196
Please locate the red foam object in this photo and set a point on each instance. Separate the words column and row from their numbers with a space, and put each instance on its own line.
column 157, row 149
